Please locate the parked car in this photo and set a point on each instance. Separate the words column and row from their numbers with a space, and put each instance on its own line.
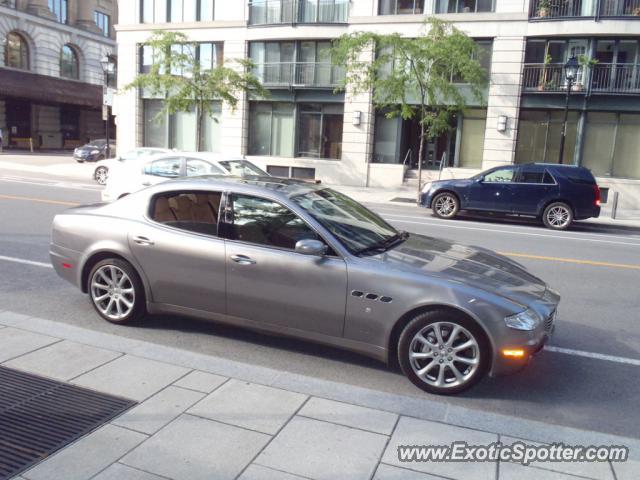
column 93, row 151
column 137, row 174
column 555, row 194
column 101, row 173
column 293, row 258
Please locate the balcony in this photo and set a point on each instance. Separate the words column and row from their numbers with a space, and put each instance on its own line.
column 563, row 9
column 299, row 74
column 604, row 78
column 278, row 12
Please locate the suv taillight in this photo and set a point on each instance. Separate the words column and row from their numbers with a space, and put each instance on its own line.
column 596, row 192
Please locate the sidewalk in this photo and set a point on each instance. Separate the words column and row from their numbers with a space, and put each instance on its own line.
column 204, row 417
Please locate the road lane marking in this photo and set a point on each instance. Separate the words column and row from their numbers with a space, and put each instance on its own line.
column 572, row 260
column 55, row 184
column 25, row 262
column 38, row 200
column 597, row 356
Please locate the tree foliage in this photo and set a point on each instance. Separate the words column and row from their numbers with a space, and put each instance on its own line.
column 185, row 85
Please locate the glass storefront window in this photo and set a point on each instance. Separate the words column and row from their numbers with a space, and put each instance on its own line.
column 155, row 125
column 539, row 133
column 474, row 123
column 599, row 139
column 271, row 127
column 386, row 139
column 626, row 159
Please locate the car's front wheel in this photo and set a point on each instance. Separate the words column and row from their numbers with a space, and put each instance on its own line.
column 557, row 216
column 445, row 205
column 116, row 291
column 101, row 174
column 443, row 352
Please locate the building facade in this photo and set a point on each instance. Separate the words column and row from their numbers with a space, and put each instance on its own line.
column 306, row 130
column 51, row 77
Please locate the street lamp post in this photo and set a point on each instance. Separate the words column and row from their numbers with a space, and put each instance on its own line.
column 570, row 73
column 108, row 67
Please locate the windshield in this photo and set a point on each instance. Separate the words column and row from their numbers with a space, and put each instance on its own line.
column 358, row 228
column 242, row 168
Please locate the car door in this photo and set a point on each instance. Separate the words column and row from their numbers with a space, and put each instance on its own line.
column 492, row 191
column 268, row 282
column 163, row 169
column 180, row 251
column 533, row 187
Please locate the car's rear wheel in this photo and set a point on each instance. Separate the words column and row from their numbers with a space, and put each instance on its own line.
column 445, row 205
column 116, row 291
column 101, row 174
column 443, row 352
column 557, row 216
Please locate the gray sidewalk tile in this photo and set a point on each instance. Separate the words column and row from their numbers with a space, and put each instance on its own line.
column 350, row 415
column 15, row 342
column 193, row 448
column 411, row 431
column 201, row 381
column 258, row 472
column 155, row 412
column 627, row 470
column 323, row 451
column 118, row 471
column 596, row 470
column 63, row 361
column 387, row 472
column 509, row 471
column 11, row 318
column 251, row 406
column 87, row 456
column 131, row 377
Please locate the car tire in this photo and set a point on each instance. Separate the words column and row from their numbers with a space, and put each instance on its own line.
column 431, row 365
column 79, row 161
column 445, row 205
column 116, row 291
column 557, row 216
column 101, row 174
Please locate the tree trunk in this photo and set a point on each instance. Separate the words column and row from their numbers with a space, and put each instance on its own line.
column 420, row 151
column 199, row 128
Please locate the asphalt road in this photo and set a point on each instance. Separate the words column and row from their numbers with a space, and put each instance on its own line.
column 595, row 268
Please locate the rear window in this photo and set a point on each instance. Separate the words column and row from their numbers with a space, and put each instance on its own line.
column 578, row 175
column 190, row 210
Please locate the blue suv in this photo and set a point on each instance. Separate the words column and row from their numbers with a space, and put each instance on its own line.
column 556, row 194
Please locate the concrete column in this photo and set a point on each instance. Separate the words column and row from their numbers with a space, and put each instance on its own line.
column 40, row 8
column 85, row 18
column 505, row 91
column 235, row 121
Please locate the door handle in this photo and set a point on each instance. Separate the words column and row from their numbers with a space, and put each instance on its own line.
column 142, row 241
column 243, row 260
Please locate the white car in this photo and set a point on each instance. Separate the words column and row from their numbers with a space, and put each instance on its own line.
column 135, row 175
column 101, row 173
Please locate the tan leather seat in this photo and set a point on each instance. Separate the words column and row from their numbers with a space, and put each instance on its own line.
column 182, row 207
column 202, row 210
column 163, row 212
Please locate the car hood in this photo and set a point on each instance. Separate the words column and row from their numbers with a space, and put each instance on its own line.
column 460, row 182
column 472, row 266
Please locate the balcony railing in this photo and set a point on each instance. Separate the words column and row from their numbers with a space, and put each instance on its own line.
column 550, row 9
column 274, row 12
column 299, row 74
column 601, row 78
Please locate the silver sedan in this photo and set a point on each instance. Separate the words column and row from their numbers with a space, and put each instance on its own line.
column 296, row 259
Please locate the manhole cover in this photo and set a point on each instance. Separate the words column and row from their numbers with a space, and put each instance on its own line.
column 39, row 416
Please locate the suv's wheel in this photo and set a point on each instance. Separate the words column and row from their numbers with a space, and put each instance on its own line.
column 557, row 216
column 101, row 175
column 445, row 205
column 116, row 291
column 443, row 352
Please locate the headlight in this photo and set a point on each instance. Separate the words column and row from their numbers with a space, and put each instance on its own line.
column 427, row 187
column 527, row 320
column 95, row 152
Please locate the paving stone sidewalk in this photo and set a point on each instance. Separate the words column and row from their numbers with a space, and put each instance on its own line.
column 201, row 417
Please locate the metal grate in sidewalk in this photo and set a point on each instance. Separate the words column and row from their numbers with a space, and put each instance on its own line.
column 39, row 416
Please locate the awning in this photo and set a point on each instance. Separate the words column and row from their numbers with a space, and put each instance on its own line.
column 46, row 89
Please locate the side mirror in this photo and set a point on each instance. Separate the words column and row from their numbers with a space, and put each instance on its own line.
column 311, row 247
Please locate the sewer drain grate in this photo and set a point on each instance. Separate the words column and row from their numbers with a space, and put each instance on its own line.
column 39, row 416
column 403, row 200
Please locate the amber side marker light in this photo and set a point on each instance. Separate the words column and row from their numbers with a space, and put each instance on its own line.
column 513, row 353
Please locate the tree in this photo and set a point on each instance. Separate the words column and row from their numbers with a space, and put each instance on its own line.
column 178, row 75
column 414, row 77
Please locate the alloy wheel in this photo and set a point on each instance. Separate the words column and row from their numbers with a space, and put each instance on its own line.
column 444, row 355
column 445, row 205
column 112, row 292
column 558, row 216
column 101, row 175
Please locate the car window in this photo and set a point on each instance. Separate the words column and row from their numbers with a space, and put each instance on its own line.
column 500, row 175
column 531, row 175
column 166, row 167
column 196, row 167
column 548, row 178
column 242, row 167
column 193, row 211
column 132, row 155
column 265, row 222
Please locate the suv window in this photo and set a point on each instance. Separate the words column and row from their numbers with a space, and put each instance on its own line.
column 500, row 175
column 191, row 211
column 166, row 167
column 196, row 167
column 265, row 222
